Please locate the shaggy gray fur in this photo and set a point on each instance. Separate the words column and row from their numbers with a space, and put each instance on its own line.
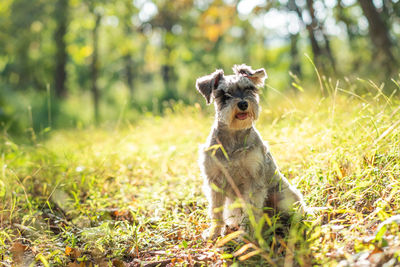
column 235, row 161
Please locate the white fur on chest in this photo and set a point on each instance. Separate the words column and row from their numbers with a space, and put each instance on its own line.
column 245, row 166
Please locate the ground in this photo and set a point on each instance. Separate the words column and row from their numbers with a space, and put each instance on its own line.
column 129, row 194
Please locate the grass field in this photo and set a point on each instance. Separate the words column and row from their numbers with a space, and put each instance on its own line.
column 130, row 195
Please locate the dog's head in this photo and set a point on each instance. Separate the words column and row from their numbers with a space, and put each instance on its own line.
column 235, row 96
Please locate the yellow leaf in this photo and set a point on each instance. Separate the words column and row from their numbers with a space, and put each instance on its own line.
column 68, row 250
column 243, row 249
column 249, row 255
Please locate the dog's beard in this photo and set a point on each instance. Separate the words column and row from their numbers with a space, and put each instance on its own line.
column 237, row 119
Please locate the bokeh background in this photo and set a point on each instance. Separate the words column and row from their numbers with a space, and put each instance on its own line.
column 74, row 63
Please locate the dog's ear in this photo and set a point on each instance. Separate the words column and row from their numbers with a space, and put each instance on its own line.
column 256, row 76
column 206, row 84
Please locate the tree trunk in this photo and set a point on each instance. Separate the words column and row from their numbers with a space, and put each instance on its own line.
column 60, row 75
column 168, row 74
column 129, row 69
column 295, row 66
column 129, row 74
column 329, row 53
column 95, row 69
column 317, row 50
column 379, row 34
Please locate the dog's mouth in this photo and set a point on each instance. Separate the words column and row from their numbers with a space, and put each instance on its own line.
column 242, row 115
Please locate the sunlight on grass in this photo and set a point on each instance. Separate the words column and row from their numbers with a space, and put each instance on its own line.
column 132, row 193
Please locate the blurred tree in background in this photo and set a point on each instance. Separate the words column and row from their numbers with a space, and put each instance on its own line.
column 72, row 62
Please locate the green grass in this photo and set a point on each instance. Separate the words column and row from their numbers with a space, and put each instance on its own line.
column 127, row 193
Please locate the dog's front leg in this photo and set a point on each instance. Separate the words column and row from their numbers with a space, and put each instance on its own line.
column 234, row 215
column 216, row 202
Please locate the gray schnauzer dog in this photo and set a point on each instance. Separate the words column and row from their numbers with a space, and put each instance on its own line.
column 242, row 178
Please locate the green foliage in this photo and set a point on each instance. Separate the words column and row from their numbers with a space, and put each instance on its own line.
column 151, row 52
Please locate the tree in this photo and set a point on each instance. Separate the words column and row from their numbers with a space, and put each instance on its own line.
column 315, row 27
column 128, row 30
column 170, row 14
column 95, row 64
column 22, row 41
column 379, row 34
column 295, row 66
column 60, row 73
column 322, row 52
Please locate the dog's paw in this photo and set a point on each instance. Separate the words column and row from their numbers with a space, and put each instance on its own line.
column 211, row 233
column 228, row 229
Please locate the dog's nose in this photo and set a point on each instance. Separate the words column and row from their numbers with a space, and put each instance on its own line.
column 243, row 105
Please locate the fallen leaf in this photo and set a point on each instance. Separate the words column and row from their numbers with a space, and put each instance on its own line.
column 118, row 263
column 21, row 254
column 72, row 252
column 68, row 250
column 18, row 250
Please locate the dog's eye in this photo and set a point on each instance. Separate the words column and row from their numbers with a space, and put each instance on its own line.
column 248, row 92
column 227, row 96
column 251, row 88
column 251, row 91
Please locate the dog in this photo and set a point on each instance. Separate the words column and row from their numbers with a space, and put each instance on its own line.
column 241, row 178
